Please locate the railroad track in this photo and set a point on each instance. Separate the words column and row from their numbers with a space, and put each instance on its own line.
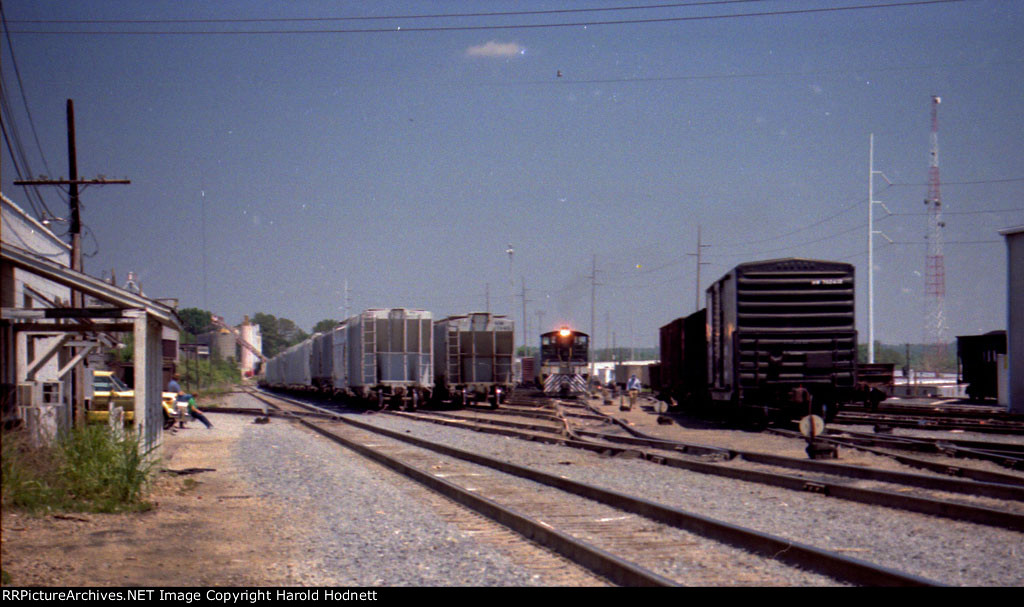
column 904, row 491
column 1008, row 455
column 939, row 408
column 627, row 539
column 984, row 425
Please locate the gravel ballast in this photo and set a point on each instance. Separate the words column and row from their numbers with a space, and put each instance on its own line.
column 942, row 550
column 355, row 523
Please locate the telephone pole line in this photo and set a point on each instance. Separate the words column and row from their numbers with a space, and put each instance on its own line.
column 700, row 248
column 871, row 243
column 77, row 299
column 523, row 278
column 593, row 303
column 73, row 182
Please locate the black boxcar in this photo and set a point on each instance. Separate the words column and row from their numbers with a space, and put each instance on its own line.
column 780, row 331
column 977, row 363
column 683, row 373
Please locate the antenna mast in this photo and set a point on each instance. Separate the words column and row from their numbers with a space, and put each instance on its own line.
column 935, row 262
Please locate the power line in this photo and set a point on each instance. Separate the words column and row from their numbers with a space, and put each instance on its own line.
column 463, row 28
column 389, row 17
column 976, row 182
column 945, row 242
column 981, row 212
column 21, row 88
column 845, row 209
column 792, row 246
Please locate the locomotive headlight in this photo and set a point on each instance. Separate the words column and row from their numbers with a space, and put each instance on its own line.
column 564, row 332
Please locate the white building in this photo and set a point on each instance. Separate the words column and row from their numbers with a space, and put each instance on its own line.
column 22, row 289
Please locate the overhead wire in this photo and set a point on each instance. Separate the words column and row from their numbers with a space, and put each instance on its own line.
column 15, row 146
column 394, row 17
column 518, row 26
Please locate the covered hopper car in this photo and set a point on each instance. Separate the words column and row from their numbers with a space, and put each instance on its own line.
column 473, row 358
column 381, row 356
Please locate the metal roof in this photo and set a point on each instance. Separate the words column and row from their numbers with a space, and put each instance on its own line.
column 94, row 287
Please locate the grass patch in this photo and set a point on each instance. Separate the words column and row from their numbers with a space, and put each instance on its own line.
column 87, row 470
column 210, row 378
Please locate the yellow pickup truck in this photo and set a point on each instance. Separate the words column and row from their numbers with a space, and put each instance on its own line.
column 107, row 389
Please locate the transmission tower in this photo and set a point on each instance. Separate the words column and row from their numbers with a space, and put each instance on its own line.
column 935, row 262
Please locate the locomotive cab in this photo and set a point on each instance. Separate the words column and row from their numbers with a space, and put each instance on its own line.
column 564, row 356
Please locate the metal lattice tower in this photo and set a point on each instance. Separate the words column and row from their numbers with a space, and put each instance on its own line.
column 935, row 262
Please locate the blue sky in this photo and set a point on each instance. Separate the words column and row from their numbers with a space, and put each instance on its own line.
column 268, row 169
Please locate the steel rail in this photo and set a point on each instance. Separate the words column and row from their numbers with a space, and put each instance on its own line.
column 601, row 562
column 980, row 476
column 992, row 485
column 999, row 489
column 925, row 423
column 936, row 411
column 993, row 447
column 1008, row 459
column 874, row 497
column 988, row 484
column 838, row 566
column 794, row 553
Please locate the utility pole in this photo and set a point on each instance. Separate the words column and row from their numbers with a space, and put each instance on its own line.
column 523, row 278
column 511, row 295
column 871, row 243
column 78, row 386
column 346, row 300
column 608, row 328
column 593, row 302
column 700, row 248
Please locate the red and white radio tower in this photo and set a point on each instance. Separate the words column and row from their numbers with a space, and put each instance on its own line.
column 935, row 262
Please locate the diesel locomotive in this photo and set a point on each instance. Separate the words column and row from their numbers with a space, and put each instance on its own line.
column 563, row 362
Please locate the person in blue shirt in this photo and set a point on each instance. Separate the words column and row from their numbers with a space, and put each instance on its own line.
column 174, row 386
column 633, row 389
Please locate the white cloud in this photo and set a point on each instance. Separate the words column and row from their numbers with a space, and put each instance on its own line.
column 495, row 49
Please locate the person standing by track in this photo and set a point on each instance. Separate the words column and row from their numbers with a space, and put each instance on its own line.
column 633, row 389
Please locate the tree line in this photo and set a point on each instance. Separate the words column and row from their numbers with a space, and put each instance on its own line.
column 278, row 333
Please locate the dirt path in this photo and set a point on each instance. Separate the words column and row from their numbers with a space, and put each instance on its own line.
column 208, row 528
